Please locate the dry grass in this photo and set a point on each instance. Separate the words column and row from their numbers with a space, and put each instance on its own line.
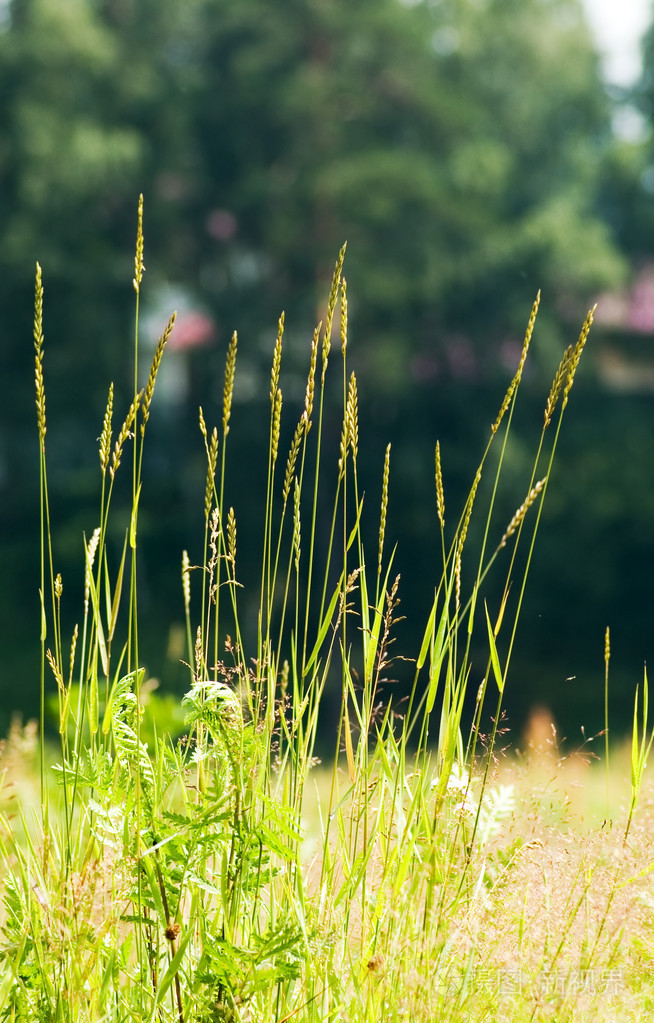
column 558, row 924
column 19, row 760
column 564, row 933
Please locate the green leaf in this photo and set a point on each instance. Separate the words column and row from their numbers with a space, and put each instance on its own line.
column 635, row 749
column 97, row 618
column 326, row 622
column 473, row 604
column 120, row 693
column 113, row 617
column 495, row 661
column 352, row 691
column 93, row 699
column 152, row 886
column 365, row 612
column 428, row 636
column 438, row 652
column 135, row 512
column 355, row 528
column 176, row 961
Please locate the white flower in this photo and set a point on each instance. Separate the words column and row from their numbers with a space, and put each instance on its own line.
column 459, row 780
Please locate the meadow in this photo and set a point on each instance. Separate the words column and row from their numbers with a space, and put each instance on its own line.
column 420, row 871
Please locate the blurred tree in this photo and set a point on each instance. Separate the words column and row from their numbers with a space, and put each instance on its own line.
column 629, row 175
column 457, row 145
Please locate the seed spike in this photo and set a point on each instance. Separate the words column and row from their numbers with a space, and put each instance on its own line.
column 139, row 268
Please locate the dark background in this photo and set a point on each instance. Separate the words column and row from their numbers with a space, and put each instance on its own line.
column 469, row 155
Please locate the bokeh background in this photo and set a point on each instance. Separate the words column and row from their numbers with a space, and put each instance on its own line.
column 471, row 152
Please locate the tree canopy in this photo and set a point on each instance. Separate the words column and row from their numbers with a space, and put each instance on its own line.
column 457, row 145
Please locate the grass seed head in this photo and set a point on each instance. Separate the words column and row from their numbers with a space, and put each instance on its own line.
column 331, row 306
column 292, row 458
column 91, row 549
column 125, row 433
column 440, row 493
column 199, row 660
column 577, row 353
column 228, row 389
column 231, row 536
column 468, row 512
column 353, row 416
column 311, row 379
column 277, row 361
column 350, row 428
column 212, row 460
column 343, row 448
column 154, row 369
column 139, row 268
column 38, row 359
column 276, row 424
column 73, row 648
column 523, row 358
column 384, row 508
column 105, row 436
column 557, row 384
column 522, row 511
column 56, row 671
column 296, row 525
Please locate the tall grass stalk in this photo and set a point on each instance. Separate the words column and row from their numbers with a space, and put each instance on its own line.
column 192, row 880
column 607, row 658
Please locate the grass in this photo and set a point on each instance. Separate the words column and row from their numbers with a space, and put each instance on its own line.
column 416, row 873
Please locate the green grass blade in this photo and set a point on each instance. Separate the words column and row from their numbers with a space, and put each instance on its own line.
column 324, row 627
column 437, row 655
column 495, row 661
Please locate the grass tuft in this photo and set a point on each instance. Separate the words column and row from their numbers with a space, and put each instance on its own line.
column 231, row 876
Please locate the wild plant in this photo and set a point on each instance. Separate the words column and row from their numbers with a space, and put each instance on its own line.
column 173, row 881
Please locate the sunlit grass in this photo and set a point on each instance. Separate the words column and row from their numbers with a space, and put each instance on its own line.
column 418, row 871
column 553, row 870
